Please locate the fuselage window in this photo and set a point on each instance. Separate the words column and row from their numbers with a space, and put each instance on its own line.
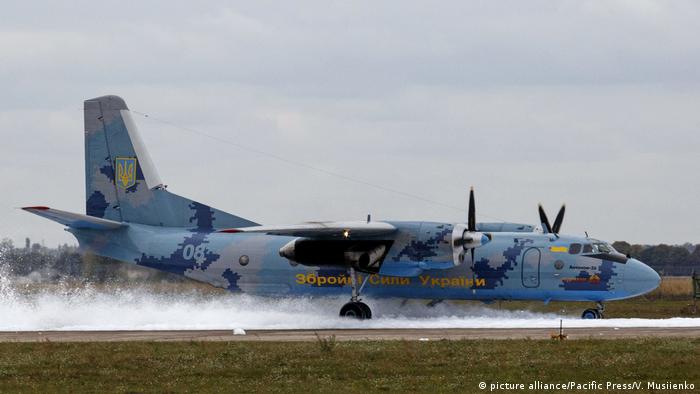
column 587, row 248
column 574, row 248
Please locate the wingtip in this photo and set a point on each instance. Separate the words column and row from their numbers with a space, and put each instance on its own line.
column 36, row 208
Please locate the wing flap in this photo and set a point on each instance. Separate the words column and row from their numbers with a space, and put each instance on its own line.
column 75, row 220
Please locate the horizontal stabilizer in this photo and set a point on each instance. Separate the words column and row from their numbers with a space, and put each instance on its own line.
column 75, row 220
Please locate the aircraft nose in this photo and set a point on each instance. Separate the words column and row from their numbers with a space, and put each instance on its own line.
column 640, row 278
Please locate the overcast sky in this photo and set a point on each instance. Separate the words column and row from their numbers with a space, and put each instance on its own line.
column 596, row 104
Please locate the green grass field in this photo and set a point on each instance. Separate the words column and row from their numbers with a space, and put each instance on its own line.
column 328, row 366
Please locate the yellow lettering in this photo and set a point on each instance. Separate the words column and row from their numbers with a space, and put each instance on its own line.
column 434, row 282
column 424, row 279
column 481, row 282
column 405, row 281
column 444, row 282
column 332, row 280
column 455, row 282
column 311, row 279
column 301, row 279
column 321, row 280
column 374, row 279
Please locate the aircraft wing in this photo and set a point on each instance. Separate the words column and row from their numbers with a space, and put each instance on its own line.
column 326, row 230
column 75, row 220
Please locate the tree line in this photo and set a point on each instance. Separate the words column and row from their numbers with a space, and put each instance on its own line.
column 672, row 260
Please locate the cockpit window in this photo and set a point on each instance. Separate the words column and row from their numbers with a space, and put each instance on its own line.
column 574, row 248
column 602, row 248
column 598, row 247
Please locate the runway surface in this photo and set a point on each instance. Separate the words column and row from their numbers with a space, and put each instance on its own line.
column 345, row 334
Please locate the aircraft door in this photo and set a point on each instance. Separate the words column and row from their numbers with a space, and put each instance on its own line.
column 531, row 268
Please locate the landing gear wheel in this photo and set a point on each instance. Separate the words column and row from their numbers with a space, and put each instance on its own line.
column 357, row 310
column 591, row 313
column 366, row 310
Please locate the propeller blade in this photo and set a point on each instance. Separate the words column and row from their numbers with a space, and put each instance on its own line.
column 471, row 218
column 559, row 219
column 473, row 271
column 543, row 219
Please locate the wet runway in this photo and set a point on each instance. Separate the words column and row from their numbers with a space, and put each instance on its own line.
column 348, row 334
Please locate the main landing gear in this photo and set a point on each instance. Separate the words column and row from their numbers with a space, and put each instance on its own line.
column 594, row 313
column 355, row 308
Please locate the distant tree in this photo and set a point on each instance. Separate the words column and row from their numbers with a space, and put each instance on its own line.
column 6, row 248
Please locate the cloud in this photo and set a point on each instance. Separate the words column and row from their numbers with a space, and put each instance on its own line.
column 592, row 103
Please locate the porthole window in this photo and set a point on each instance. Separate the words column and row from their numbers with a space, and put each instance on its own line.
column 574, row 248
column 243, row 260
column 559, row 264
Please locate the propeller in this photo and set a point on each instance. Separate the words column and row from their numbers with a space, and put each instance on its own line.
column 546, row 227
column 467, row 237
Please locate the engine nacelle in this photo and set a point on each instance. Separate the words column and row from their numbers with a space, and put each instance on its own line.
column 365, row 256
column 463, row 240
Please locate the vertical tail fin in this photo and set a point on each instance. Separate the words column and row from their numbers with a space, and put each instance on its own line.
column 121, row 181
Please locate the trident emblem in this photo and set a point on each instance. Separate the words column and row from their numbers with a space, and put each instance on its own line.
column 126, row 172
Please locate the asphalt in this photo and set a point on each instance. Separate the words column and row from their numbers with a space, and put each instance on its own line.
column 345, row 334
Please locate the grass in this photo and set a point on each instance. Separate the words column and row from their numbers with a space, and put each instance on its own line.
column 391, row 366
column 673, row 287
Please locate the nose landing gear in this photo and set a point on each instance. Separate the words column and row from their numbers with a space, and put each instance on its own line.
column 594, row 313
column 355, row 308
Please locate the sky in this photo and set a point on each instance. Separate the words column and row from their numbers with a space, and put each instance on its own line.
column 595, row 104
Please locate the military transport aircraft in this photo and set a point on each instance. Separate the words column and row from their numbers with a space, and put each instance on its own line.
column 130, row 216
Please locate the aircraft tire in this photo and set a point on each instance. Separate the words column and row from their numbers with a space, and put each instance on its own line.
column 591, row 314
column 366, row 310
column 355, row 310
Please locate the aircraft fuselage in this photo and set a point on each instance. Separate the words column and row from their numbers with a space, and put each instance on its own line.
column 518, row 265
